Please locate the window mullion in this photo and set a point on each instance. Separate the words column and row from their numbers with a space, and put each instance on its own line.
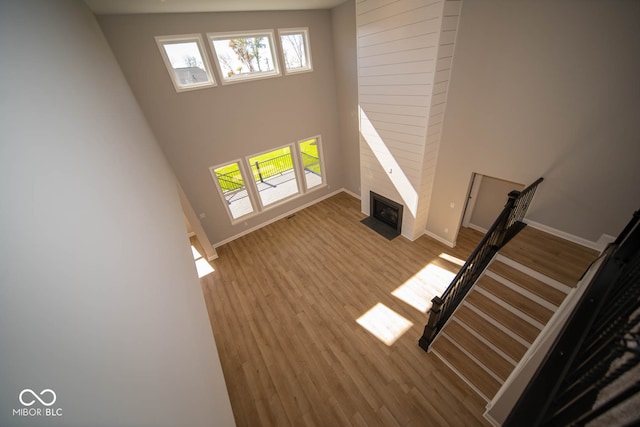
column 298, row 166
column 252, row 188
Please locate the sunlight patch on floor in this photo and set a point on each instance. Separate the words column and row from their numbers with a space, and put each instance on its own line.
column 420, row 289
column 452, row 259
column 202, row 266
column 196, row 254
column 384, row 323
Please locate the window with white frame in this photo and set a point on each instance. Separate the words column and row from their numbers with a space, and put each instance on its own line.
column 186, row 61
column 242, row 56
column 268, row 178
column 274, row 174
column 311, row 161
column 295, row 50
column 229, row 179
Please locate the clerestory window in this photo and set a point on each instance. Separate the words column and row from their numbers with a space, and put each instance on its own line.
column 295, row 50
column 242, row 56
column 186, row 61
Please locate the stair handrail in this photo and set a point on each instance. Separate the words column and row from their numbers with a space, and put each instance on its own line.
column 504, row 228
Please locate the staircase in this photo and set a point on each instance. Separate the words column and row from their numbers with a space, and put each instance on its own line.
column 508, row 307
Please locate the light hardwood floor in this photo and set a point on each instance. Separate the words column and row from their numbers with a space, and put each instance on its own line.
column 552, row 256
column 284, row 303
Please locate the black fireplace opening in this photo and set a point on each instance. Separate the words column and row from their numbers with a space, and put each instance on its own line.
column 385, row 216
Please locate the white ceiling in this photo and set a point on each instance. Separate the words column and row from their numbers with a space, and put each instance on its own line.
column 109, row 7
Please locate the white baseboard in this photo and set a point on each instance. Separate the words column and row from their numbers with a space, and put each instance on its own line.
column 477, row 228
column 604, row 241
column 279, row 217
column 489, row 418
column 352, row 194
column 417, row 237
column 600, row 245
column 440, row 239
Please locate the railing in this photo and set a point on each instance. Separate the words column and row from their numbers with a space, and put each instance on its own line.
column 505, row 227
column 233, row 187
column 262, row 170
column 591, row 372
column 311, row 163
column 230, row 181
column 272, row 167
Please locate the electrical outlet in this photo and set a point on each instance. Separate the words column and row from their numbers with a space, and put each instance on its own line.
column 446, row 231
column 202, row 215
column 452, row 205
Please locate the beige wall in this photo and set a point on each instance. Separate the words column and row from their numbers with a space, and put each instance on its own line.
column 99, row 298
column 201, row 128
column 490, row 200
column 343, row 19
column 545, row 88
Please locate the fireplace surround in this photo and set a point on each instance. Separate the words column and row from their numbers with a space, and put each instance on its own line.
column 385, row 216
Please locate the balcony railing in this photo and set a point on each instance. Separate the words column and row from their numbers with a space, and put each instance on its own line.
column 311, row 163
column 266, row 169
column 267, row 172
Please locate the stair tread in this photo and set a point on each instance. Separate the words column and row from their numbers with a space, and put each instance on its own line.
column 516, row 299
column 535, row 286
column 550, row 255
column 491, row 333
column 466, row 367
column 509, row 320
column 506, row 310
column 483, row 353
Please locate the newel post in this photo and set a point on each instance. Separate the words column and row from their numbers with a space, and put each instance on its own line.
column 430, row 329
column 503, row 229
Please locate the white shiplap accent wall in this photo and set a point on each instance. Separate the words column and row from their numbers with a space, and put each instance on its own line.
column 404, row 58
column 444, row 62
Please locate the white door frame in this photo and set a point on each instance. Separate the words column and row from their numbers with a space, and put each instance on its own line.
column 476, row 180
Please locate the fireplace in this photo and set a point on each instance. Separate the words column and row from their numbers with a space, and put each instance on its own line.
column 385, row 216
